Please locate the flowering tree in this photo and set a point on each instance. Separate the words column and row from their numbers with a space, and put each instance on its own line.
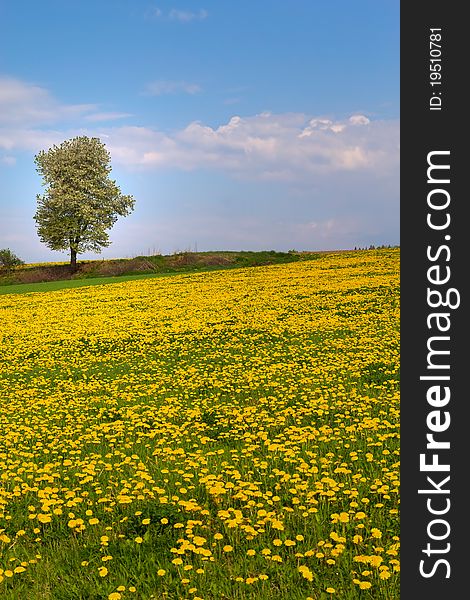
column 80, row 202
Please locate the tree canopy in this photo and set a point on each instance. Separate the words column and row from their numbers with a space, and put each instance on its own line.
column 81, row 203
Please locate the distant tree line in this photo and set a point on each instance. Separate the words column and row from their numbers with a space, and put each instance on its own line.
column 372, row 247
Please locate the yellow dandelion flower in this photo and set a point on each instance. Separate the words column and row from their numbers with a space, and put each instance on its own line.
column 384, row 574
column 19, row 569
column 44, row 518
column 305, row 572
column 376, row 533
column 357, row 539
column 199, row 540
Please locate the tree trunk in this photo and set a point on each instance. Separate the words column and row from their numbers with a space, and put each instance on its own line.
column 73, row 259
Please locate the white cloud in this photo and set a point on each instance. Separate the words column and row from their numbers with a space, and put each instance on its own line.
column 265, row 146
column 26, row 103
column 107, row 116
column 159, row 88
column 184, row 16
column 359, row 120
column 180, row 15
column 273, row 147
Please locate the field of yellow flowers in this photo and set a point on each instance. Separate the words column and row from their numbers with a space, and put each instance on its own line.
column 215, row 436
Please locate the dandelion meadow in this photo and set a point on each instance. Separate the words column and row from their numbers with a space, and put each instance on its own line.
column 219, row 435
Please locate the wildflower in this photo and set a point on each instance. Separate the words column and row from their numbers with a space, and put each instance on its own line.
column 198, row 540
column 305, row 572
column 44, row 518
column 376, row 533
column 357, row 539
column 19, row 569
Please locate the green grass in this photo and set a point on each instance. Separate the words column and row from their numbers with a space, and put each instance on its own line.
column 49, row 286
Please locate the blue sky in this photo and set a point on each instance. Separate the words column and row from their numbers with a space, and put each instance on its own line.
column 247, row 125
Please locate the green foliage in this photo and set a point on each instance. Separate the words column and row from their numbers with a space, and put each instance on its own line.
column 80, row 202
column 9, row 260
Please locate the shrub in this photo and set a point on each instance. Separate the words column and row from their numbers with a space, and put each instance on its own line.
column 9, row 260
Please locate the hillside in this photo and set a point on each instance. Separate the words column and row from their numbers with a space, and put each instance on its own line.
column 179, row 262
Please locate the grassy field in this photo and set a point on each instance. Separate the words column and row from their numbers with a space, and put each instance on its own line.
column 62, row 284
column 222, row 435
column 126, row 268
